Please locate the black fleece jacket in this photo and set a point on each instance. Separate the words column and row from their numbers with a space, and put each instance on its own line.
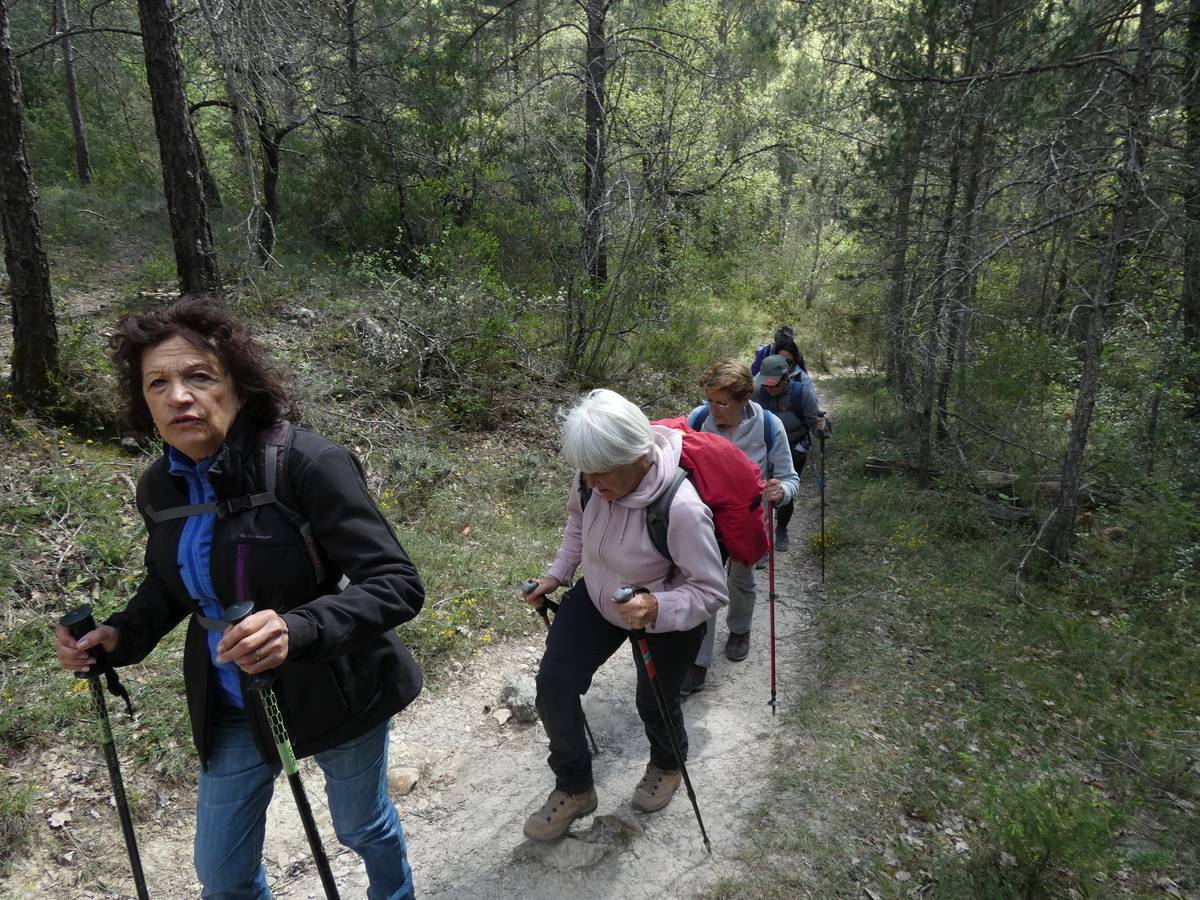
column 347, row 670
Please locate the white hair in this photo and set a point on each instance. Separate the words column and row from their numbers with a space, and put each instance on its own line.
column 604, row 430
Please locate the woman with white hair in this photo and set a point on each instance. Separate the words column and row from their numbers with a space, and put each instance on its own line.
column 625, row 464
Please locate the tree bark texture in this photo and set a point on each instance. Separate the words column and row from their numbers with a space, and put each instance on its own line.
column 268, row 141
column 1190, row 300
column 963, row 274
column 195, row 260
column 212, row 190
column 241, row 132
column 595, row 246
column 83, row 163
column 35, row 333
column 938, row 302
column 1057, row 538
column 897, row 324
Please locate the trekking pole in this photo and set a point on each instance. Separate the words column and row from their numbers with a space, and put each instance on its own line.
column 637, row 637
column 526, row 587
column 771, row 594
column 79, row 622
column 261, row 685
column 821, row 438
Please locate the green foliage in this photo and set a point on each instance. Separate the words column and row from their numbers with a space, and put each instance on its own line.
column 1021, row 738
column 1048, row 825
column 412, row 475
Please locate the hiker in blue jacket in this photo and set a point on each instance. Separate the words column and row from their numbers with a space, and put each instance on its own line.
column 786, row 390
column 731, row 413
column 783, row 334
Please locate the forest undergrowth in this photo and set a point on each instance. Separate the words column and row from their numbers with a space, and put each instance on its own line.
column 976, row 732
column 975, row 735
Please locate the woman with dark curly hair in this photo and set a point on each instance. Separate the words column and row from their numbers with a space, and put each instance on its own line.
column 243, row 506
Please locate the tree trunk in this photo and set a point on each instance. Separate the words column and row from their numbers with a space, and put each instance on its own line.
column 595, row 246
column 353, row 75
column 1057, row 536
column 241, row 131
column 212, row 190
column 269, row 144
column 35, row 334
column 1190, row 299
column 940, row 290
column 83, row 163
column 897, row 343
column 963, row 276
column 194, row 258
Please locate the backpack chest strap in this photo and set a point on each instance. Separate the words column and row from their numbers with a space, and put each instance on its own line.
column 222, row 509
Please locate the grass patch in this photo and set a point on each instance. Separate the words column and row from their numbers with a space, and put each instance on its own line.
column 973, row 737
column 15, row 817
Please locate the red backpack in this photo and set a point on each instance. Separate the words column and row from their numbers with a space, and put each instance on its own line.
column 726, row 480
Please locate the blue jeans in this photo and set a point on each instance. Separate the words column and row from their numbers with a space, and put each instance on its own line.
column 231, row 812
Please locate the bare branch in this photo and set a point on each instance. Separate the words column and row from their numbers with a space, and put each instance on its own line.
column 41, row 45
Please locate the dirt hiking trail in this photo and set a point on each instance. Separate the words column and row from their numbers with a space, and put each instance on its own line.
column 479, row 779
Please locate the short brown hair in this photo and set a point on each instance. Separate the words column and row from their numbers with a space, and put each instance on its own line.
column 206, row 324
column 728, row 374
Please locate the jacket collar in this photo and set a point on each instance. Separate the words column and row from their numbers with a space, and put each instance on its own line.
column 231, row 466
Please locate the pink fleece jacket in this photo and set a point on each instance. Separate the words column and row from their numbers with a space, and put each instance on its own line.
column 613, row 543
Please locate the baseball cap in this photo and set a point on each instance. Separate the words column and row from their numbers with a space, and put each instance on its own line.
column 774, row 369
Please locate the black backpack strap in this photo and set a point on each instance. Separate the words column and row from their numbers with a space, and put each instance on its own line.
column 658, row 518
column 585, row 493
column 277, row 444
column 277, row 441
column 158, row 516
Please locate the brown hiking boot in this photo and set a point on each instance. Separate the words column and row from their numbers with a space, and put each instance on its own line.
column 557, row 814
column 656, row 789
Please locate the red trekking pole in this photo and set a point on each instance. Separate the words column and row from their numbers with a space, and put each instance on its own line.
column 771, row 594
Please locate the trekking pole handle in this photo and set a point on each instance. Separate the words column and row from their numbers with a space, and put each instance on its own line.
column 79, row 622
column 234, row 615
column 624, row 594
column 531, row 585
column 627, row 592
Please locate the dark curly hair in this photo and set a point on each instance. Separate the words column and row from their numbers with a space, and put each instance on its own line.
column 206, row 324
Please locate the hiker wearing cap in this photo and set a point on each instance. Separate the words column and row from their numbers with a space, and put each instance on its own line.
column 731, row 413
column 626, row 463
column 783, row 333
column 242, row 506
column 786, row 390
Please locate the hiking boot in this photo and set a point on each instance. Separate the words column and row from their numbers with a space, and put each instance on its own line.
column 693, row 681
column 781, row 540
column 737, row 647
column 557, row 814
column 761, row 564
column 656, row 789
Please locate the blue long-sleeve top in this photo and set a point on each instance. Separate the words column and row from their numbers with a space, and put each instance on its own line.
column 195, row 563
